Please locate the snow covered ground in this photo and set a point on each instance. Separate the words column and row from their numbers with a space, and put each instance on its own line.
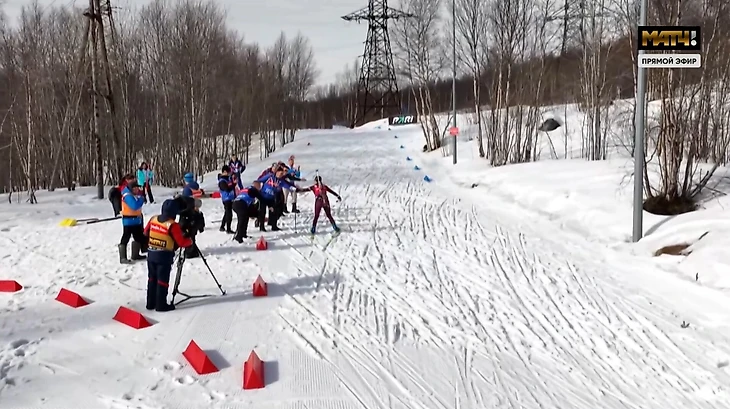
column 518, row 293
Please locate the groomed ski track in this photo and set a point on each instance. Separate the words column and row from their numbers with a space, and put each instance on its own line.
column 433, row 297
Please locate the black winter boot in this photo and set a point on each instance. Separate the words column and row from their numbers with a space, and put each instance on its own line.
column 162, row 305
column 136, row 249
column 123, row 254
column 294, row 208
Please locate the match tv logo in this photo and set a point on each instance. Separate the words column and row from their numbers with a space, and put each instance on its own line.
column 670, row 38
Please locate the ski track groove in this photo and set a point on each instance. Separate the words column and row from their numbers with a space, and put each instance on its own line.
column 555, row 305
column 511, row 322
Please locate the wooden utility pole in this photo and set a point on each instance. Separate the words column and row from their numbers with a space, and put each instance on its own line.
column 96, row 33
column 95, row 19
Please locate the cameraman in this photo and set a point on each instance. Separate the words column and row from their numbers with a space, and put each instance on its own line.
column 192, row 222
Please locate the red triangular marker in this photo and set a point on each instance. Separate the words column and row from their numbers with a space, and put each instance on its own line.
column 131, row 318
column 71, row 299
column 260, row 288
column 9, row 286
column 262, row 244
column 199, row 360
column 253, row 372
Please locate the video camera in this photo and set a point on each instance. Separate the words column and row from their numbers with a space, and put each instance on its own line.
column 192, row 220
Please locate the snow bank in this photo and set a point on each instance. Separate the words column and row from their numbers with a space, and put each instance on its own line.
column 594, row 199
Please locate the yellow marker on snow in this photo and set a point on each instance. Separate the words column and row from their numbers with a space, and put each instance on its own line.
column 68, row 223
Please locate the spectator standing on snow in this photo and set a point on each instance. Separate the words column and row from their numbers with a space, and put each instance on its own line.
column 132, row 222
column 237, row 167
column 145, row 178
column 115, row 193
column 246, row 206
column 228, row 192
column 272, row 196
column 293, row 175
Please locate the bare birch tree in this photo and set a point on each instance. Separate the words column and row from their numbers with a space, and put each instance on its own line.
column 188, row 93
column 693, row 125
column 421, row 59
column 472, row 40
column 595, row 38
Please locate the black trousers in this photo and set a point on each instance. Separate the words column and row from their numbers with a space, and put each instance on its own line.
column 158, row 283
column 280, row 204
column 227, row 216
column 244, row 212
column 134, row 231
column 273, row 213
column 148, row 193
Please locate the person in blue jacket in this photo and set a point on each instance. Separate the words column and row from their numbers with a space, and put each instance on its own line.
column 293, row 175
column 227, row 187
column 133, row 223
column 272, row 186
column 191, row 187
column 246, row 206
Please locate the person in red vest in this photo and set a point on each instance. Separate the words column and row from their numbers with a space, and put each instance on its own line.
column 164, row 237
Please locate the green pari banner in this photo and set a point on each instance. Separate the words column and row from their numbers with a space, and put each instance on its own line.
column 403, row 120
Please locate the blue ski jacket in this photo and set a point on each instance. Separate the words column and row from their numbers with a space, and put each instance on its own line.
column 227, row 188
column 271, row 185
column 248, row 195
column 131, row 208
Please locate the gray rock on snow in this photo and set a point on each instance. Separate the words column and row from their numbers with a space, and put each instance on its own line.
column 549, row 125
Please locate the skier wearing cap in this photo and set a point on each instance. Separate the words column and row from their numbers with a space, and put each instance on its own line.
column 321, row 202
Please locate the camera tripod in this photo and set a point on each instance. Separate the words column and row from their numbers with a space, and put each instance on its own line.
column 180, row 262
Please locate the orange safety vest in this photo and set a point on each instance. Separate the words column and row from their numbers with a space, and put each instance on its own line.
column 197, row 193
column 160, row 237
column 127, row 211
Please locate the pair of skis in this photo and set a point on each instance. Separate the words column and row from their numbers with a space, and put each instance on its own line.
column 332, row 237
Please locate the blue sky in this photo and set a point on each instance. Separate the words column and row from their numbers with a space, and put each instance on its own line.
column 336, row 42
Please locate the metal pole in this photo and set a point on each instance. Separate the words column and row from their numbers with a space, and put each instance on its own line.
column 453, row 73
column 639, row 155
column 93, row 15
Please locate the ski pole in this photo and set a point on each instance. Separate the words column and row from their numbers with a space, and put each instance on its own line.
column 202, row 257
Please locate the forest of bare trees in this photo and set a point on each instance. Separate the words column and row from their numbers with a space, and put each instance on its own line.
column 171, row 78
column 518, row 56
column 178, row 79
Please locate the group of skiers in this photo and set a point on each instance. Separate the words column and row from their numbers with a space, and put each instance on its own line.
column 163, row 235
column 270, row 191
